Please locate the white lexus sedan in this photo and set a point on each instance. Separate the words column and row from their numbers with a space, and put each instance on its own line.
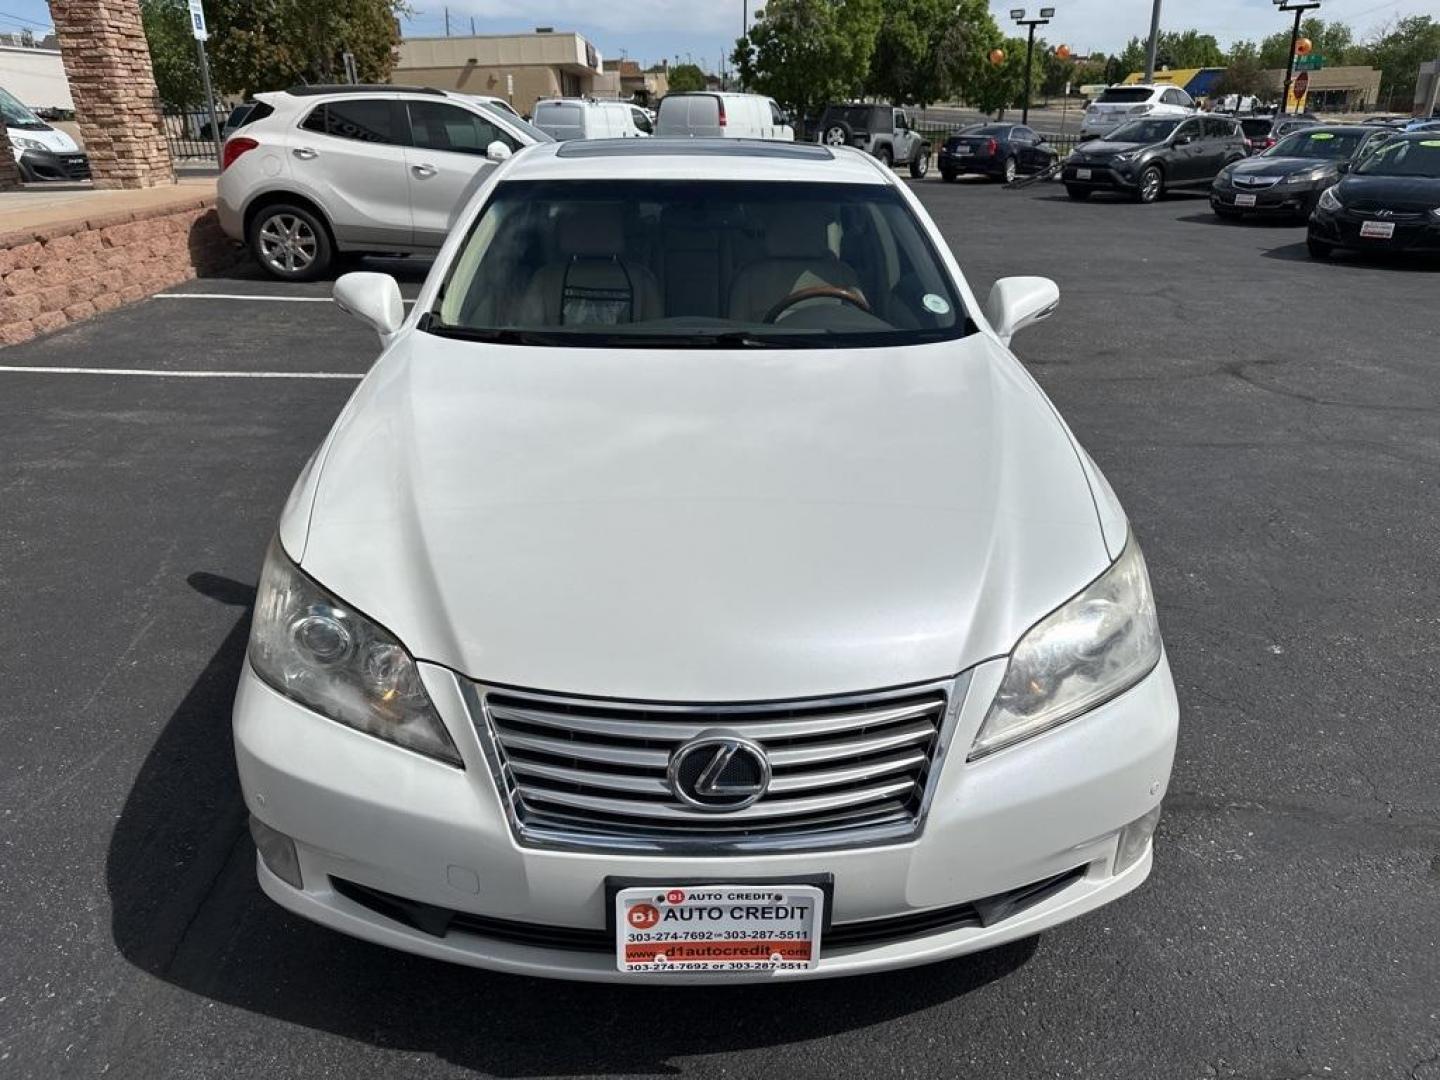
column 698, row 589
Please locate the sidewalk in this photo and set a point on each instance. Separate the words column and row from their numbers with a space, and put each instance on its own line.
column 39, row 206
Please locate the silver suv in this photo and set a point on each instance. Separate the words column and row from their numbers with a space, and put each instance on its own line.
column 318, row 170
column 882, row 130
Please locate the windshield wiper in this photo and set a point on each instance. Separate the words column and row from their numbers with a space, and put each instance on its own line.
column 494, row 336
column 725, row 339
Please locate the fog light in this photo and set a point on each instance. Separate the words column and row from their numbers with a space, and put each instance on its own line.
column 278, row 852
column 1133, row 839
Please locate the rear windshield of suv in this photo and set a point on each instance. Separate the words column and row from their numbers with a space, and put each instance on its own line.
column 1118, row 95
column 621, row 263
column 859, row 117
column 1259, row 125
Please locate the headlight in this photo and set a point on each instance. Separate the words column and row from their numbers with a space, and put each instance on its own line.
column 1302, row 178
column 1329, row 200
column 1435, row 212
column 316, row 650
column 27, row 144
column 1124, row 157
column 1093, row 647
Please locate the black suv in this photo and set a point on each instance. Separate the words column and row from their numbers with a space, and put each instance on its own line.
column 1145, row 158
column 882, row 130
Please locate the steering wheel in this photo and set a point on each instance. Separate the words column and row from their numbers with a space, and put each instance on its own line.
column 834, row 292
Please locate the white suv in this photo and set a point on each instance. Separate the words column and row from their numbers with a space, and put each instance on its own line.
column 1117, row 104
column 698, row 589
column 319, row 170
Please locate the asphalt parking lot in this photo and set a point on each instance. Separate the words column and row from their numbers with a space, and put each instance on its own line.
column 1271, row 425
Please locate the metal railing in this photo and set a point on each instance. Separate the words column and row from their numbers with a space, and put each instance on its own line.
column 187, row 132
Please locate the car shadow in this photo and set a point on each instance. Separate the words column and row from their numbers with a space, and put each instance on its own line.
column 1212, row 218
column 1391, row 261
column 185, row 908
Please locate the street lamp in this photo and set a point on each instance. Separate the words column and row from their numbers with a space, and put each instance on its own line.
column 1299, row 8
column 1046, row 14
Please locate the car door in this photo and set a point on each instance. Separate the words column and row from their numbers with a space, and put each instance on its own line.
column 348, row 155
column 905, row 139
column 1025, row 145
column 446, row 162
column 1221, row 145
column 1185, row 160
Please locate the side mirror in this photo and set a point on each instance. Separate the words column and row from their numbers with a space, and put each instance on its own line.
column 1183, row 140
column 1017, row 302
column 497, row 151
column 371, row 298
column 1343, row 167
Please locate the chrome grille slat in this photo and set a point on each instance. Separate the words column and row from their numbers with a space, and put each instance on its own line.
column 592, row 774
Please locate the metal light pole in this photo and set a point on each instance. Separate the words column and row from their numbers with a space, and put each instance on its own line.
column 1299, row 9
column 1018, row 14
column 1154, row 42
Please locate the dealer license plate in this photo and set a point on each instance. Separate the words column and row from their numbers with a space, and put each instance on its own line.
column 964, row 151
column 1244, row 200
column 718, row 928
column 1082, row 174
column 1377, row 230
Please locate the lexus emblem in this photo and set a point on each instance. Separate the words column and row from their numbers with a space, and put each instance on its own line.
column 718, row 772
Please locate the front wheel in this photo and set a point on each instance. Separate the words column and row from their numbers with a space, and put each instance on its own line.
column 291, row 243
column 920, row 163
column 1152, row 185
column 1079, row 194
column 887, row 158
column 1318, row 248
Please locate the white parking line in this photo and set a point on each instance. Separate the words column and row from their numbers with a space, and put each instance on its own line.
column 157, row 373
column 249, row 296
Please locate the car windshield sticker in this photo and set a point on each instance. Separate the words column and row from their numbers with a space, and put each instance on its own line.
column 1321, row 136
column 936, row 304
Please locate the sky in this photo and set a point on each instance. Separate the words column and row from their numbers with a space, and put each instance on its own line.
column 701, row 31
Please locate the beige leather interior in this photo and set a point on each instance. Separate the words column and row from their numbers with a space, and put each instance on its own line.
column 797, row 256
column 591, row 283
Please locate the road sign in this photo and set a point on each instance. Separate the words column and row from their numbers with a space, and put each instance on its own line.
column 1313, row 62
column 197, row 20
column 1302, row 84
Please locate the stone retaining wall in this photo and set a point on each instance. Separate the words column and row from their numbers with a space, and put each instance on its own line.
column 57, row 274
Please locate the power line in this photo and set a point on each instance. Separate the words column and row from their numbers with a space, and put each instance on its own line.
column 21, row 19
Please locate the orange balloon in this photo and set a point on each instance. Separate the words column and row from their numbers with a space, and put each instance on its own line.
column 1303, row 47
column 997, row 57
column 1062, row 52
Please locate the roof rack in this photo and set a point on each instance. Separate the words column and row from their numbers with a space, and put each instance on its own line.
column 361, row 88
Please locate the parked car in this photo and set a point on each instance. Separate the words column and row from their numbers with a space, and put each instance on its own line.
column 883, row 131
column 494, row 102
column 1145, row 158
column 585, row 118
column 1286, row 180
column 1263, row 132
column 711, row 115
column 1390, row 201
column 643, row 119
column 333, row 169
column 41, row 151
column 1001, row 151
column 1121, row 104
column 760, row 590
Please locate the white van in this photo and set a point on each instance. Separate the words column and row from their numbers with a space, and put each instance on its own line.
column 726, row 116
column 42, row 152
column 585, row 118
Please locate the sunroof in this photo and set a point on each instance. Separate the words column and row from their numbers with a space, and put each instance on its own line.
column 700, row 147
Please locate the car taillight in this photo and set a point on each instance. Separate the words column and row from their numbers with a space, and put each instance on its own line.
column 721, row 102
column 237, row 145
column 992, row 147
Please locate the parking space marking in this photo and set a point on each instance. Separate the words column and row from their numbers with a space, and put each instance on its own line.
column 157, row 373
column 249, row 296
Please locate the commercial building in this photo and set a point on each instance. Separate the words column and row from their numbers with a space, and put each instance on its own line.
column 522, row 68
column 34, row 73
column 1335, row 89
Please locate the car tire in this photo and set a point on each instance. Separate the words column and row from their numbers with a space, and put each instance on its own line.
column 836, row 133
column 1079, row 194
column 1150, row 185
column 1008, row 171
column 1319, row 249
column 291, row 243
column 920, row 163
column 885, row 155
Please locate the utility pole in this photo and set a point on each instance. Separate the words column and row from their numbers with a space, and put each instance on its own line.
column 1299, row 9
column 1018, row 14
column 472, row 25
column 1154, row 42
column 447, row 21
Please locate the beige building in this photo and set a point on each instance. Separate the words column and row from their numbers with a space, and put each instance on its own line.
column 522, row 68
column 1335, row 89
column 632, row 84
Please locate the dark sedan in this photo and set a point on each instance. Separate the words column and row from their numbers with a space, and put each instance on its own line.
column 1146, row 158
column 1001, row 151
column 1287, row 179
column 1389, row 202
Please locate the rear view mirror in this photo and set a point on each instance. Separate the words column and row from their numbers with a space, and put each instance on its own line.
column 371, row 298
column 1018, row 302
column 497, row 151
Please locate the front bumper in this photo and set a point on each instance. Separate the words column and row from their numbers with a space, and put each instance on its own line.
column 364, row 813
column 1103, row 176
column 1418, row 232
column 48, row 165
column 1278, row 200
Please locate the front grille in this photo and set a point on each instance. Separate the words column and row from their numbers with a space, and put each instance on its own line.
column 593, row 775
column 1255, row 181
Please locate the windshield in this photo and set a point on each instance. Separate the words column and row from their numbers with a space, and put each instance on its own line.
column 1260, row 126
column 988, row 129
column 679, row 263
column 514, row 121
column 1143, row 131
column 17, row 115
column 1125, row 95
column 1321, row 145
column 1404, row 157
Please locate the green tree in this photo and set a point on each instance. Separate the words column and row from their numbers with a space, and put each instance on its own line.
column 1002, row 86
column 685, row 78
column 1333, row 40
column 1189, row 49
column 1398, row 50
column 271, row 44
column 804, row 53
column 926, row 50
column 1244, row 74
column 1131, row 58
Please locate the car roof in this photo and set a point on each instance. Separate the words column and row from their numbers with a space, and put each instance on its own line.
column 694, row 159
column 326, row 89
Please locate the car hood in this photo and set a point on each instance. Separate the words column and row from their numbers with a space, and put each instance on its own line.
column 1394, row 192
column 1279, row 166
column 700, row 525
column 1108, row 148
column 51, row 138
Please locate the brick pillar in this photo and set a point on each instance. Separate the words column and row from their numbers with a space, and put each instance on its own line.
column 9, row 171
column 108, row 64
